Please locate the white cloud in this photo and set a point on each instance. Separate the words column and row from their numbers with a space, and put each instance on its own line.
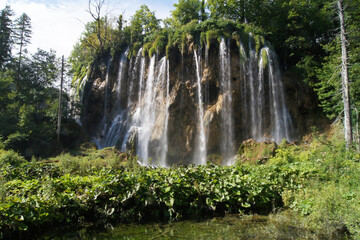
column 58, row 24
column 54, row 26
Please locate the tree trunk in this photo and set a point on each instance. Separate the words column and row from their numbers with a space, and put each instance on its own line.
column 345, row 79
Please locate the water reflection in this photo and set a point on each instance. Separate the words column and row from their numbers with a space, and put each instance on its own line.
column 229, row 227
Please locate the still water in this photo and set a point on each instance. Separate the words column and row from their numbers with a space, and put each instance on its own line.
column 229, row 227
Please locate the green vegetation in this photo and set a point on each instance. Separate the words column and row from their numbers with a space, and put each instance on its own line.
column 29, row 99
column 317, row 181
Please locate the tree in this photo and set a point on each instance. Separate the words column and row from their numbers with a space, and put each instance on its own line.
column 345, row 78
column 30, row 124
column 143, row 23
column 8, row 106
column 22, row 34
column 5, row 35
column 187, row 10
column 231, row 9
column 101, row 23
column 342, row 62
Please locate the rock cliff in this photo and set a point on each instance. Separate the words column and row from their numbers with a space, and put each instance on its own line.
column 151, row 105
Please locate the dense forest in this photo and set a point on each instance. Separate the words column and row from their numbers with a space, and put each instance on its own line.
column 52, row 176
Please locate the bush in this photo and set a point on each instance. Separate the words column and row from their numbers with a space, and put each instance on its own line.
column 10, row 158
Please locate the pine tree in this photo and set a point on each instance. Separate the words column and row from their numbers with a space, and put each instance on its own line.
column 22, row 34
column 5, row 35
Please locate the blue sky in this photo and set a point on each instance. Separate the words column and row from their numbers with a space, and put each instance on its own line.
column 58, row 24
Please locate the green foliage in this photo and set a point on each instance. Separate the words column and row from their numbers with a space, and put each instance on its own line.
column 143, row 24
column 10, row 158
column 187, row 10
column 328, row 200
column 259, row 43
column 231, row 9
column 211, row 35
column 22, row 33
column 318, row 181
column 90, row 160
column 90, row 188
column 5, row 35
column 146, row 48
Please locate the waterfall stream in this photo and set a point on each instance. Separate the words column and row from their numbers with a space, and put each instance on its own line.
column 141, row 118
column 227, row 126
column 164, row 138
column 200, row 152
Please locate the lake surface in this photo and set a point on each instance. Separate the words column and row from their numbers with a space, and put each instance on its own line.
column 229, row 227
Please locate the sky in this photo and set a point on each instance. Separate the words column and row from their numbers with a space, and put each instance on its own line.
column 58, row 24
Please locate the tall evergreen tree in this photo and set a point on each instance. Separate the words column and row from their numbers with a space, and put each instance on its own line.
column 22, row 34
column 5, row 35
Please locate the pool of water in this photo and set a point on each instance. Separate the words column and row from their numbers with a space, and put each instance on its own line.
column 229, row 227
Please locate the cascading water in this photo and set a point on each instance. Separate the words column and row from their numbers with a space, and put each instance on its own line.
column 244, row 92
column 200, row 152
column 147, row 116
column 252, row 80
column 267, row 114
column 150, row 111
column 111, row 134
column 280, row 118
column 259, row 113
column 143, row 116
column 132, row 118
column 227, row 125
column 164, row 139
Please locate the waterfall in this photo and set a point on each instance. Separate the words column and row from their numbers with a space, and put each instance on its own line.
column 252, row 81
column 268, row 118
column 147, row 116
column 259, row 104
column 150, row 110
column 113, row 133
column 132, row 118
column 143, row 114
column 200, row 152
column 164, row 138
column 244, row 92
column 281, row 123
column 227, row 125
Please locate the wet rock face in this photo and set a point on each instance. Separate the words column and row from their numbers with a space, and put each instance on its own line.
column 183, row 131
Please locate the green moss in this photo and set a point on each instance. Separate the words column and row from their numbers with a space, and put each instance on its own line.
column 211, row 36
column 183, row 42
column 203, row 39
column 244, row 39
column 146, row 48
column 134, row 48
column 152, row 51
column 160, row 44
column 259, row 42
column 167, row 50
column 264, row 57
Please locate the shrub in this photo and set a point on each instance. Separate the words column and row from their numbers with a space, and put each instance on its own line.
column 10, row 158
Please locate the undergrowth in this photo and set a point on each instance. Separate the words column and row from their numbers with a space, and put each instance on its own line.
column 317, row 182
